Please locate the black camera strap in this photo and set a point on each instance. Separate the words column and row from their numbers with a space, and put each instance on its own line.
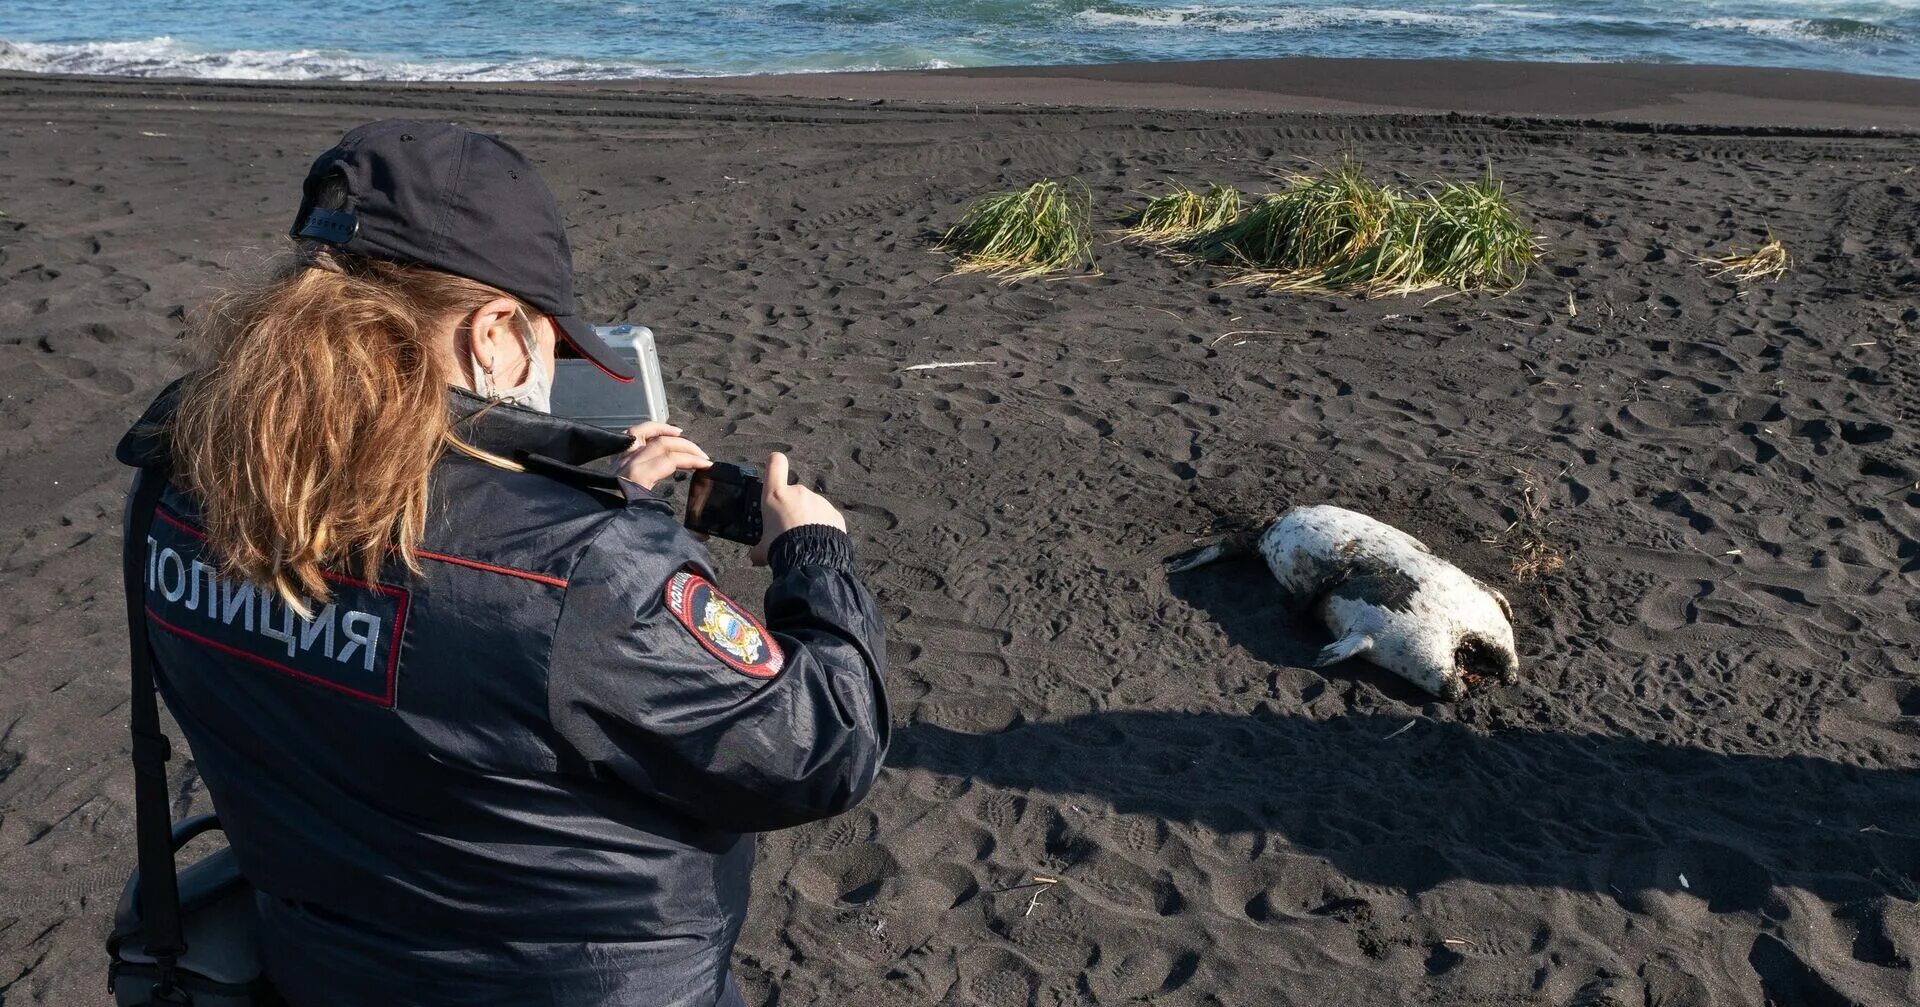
column 153, row 816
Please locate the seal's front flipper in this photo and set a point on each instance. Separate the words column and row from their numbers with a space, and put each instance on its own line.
column 1240, row 543
column 1342, row 649
column 1198, row 558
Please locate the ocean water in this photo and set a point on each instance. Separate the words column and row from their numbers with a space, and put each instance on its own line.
column 584, row 39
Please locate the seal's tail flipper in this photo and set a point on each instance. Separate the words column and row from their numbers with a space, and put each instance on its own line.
column 1239, row 545
column 1342, row 649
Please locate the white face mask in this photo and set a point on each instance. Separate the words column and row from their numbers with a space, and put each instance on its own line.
column 534, row 393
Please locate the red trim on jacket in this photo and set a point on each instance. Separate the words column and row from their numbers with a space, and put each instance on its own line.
column 474, row 564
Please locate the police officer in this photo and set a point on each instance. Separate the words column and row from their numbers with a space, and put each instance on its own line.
column 478, row 724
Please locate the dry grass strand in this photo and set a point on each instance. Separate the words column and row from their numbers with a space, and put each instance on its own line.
column 1768, row 262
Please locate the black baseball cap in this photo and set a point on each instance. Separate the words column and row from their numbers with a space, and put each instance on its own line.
column 437, row 195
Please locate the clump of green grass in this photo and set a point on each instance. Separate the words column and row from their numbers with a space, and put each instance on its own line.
column 1464, row 235
column 1392, row 262
column 1185, row 214
column 1315, row 223
column 1343, row 232
column 1043, row 228
column 1476, row 240
column 1768, row 262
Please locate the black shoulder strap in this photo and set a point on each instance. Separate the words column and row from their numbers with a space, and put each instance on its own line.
column 153, row 815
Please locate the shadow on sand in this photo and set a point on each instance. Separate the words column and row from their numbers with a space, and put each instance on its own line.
column 1624, row 817
column 1619, row 816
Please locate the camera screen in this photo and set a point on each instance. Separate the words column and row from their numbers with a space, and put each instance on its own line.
column 723, row 506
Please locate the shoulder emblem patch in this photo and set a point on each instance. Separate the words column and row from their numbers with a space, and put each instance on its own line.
column 723, row 627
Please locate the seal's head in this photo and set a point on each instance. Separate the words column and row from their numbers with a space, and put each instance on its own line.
column 1484, row 649
column 1477, row 660
column 1453, row 636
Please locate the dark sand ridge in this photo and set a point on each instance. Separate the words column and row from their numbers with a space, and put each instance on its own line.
column 1628, row 92
column 1722, row 685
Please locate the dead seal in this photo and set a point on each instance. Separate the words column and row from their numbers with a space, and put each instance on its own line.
column 1383, row 595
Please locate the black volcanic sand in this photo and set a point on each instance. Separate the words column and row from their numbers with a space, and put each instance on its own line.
column 1704, row 792
column 1644, row 93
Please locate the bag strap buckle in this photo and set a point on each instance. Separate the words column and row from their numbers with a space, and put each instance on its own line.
column 152, row 748
column 167, row 989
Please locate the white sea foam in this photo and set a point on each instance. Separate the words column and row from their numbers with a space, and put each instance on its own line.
column 1800, row 29
column 1255, row 19
column 1776, row 27
column 166, row 57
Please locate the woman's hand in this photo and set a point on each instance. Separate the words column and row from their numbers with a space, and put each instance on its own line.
column 784, row 507
column 658, row 452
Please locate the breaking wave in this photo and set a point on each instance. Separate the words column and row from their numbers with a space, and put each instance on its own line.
column 1251, row 19
column 167, row 57
column 1825, row 29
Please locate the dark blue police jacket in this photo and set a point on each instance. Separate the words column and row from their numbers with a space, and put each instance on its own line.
column 527, row 775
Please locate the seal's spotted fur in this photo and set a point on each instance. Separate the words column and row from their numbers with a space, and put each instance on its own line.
column 1385, row 595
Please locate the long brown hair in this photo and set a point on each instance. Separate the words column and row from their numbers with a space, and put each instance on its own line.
column 316, row 412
